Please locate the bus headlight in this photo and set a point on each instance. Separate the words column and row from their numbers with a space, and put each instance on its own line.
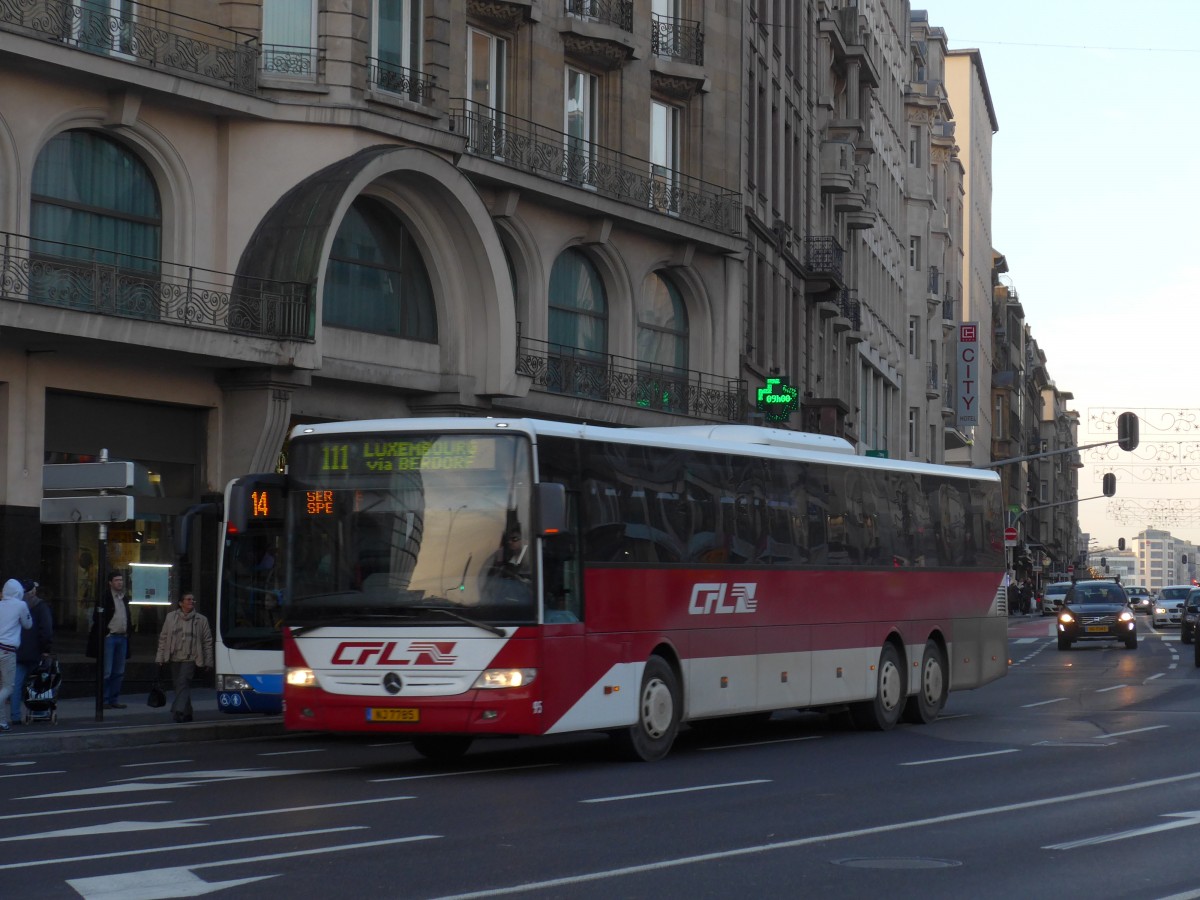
column 233, row 683
column 301, row 677
column 504, row 678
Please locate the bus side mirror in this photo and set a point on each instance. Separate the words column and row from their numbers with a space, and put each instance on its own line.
column 550, row 503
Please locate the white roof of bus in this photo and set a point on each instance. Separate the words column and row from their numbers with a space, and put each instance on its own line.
column 739, row 439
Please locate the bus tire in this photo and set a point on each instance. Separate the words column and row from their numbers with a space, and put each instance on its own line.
column 442, row 747
column 934, row 684
column 883, row 712
column 658, row 712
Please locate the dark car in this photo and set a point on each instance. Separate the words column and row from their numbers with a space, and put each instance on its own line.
column 1096, row 611
column 1191, row 611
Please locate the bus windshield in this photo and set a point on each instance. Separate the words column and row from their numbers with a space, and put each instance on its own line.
column 391, row 528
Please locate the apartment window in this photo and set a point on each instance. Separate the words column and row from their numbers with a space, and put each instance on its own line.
column 914, row 253
column 487, row 89
column 376, row 279
column 914, row 145
column 932, row 443
column 662, row 344
column 666, row 31
column 580, row 126
column 289, row 38
column 93, row 200
column 914, row 432
column 914, row 335
column 664, row 156
column 396, row 40
column 578, row 305
column 1043, row 491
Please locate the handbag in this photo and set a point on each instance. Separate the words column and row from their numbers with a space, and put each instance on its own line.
column 157, row 697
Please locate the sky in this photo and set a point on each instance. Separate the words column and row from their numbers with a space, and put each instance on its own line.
column 1095, row 203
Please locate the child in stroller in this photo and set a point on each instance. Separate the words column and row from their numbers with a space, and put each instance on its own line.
column 41, row 692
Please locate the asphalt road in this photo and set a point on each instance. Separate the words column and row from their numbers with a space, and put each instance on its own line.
column 1076, row 775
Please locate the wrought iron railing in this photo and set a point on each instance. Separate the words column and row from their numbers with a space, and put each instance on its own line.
column 290, row 61
column 88, row 279
column 558, row 369
column 935, row 280
column 408, row 83
column 140, row 34
column 610, row 12
column 824, row 255
column 949, row 313
column 556, row 155
column 679, row 39
column 934, row 381
column 850, row 308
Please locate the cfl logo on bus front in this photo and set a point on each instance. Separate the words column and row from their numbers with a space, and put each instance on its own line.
column 383, row 653
column 723, row 599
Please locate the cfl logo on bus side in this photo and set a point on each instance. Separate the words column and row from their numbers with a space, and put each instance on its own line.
column 723, row 599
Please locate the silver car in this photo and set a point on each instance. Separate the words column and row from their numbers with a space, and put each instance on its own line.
column 1053, row 596
column 1168, row 606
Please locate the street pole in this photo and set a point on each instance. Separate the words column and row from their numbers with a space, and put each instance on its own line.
column 102, row 577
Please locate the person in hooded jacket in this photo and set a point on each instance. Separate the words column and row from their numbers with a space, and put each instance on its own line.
column 14, row 617
column 36, row 643
column 185, row 644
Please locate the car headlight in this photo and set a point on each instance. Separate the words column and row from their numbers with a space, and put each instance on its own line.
column 504, row 678
column 1159, row 611
column 1066, row 618
column 1126, row 616
column 301, row 677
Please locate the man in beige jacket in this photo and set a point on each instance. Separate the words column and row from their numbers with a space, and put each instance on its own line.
column 186, row 644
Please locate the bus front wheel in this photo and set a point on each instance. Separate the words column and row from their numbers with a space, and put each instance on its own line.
column 442, row 748
column 925, row 706
column 883, row 712
column 658, row 710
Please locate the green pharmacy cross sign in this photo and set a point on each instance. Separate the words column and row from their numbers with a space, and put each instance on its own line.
column 777, row 400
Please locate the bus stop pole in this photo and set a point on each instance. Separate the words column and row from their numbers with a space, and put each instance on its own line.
column 98, row 613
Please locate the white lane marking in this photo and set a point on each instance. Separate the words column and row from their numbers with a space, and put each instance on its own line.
column 1115, row 687
column 83, row 809
column 1044, row 702
column 129, row 826
column 112, row 887
column 686, row 790
column 677, row 862
column 469, row 772
column 929, row 762
column 808, row 737
column 180, row 780
column 1133, row 731
column 293, row 752
column 20, row 763
column 164, row 762
column 1157, row 675
column 1183, row 820
column 178, row 848
column 39, row 772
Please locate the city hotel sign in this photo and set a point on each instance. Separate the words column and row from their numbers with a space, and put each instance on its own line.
column 968, row 373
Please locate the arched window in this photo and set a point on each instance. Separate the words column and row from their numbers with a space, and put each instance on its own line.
column 578, row 328
column 93, row 200
column 376, row 279
column 662, row 345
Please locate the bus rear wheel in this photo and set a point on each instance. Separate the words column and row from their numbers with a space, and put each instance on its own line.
column 925, row 706
column 658, row 712
column 883, row 712
column 442, row 747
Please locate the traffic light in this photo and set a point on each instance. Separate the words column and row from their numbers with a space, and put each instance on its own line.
column 1120, row 543
column 1127, row 431
column 1104, row 562
column 1110, row 481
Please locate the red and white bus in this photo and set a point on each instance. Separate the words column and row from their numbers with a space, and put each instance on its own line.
column 459, row 578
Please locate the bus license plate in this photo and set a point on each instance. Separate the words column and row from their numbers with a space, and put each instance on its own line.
column 1097, row 629
column 390, row 714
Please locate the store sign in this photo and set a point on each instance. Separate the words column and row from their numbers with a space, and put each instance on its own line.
column 968, row 373
column 777, row 400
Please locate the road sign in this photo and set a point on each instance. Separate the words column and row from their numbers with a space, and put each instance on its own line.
column 1070, row 568
column 94, row 476
column 99, row 508
column 1010, row 537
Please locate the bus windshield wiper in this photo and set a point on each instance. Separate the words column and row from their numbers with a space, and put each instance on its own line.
column 486, row 626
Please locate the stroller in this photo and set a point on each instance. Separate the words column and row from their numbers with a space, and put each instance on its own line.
column 41, row 692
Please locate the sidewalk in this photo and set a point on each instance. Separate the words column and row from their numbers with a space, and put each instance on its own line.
column 134, row 726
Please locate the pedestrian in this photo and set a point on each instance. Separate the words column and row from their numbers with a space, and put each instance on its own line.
column 111, row 624
column 36, row 643
column 1026, row 597
column 14, row 616
column 186, row 645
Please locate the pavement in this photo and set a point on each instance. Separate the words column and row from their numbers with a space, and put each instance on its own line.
column 137, row 725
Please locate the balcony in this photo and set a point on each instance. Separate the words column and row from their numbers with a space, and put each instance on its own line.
column 848, row 315
column 554, row 155
column 91, row 280
column 290, row 61
column 678, row 39
column 837, row 166
column 617, row 13
column 599, row 33
column 603, row 377
column 142, row 35
column 823, row 258
column 407, row 83
column 932, row 382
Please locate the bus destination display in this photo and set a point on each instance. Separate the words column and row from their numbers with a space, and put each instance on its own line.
column 387, row 454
